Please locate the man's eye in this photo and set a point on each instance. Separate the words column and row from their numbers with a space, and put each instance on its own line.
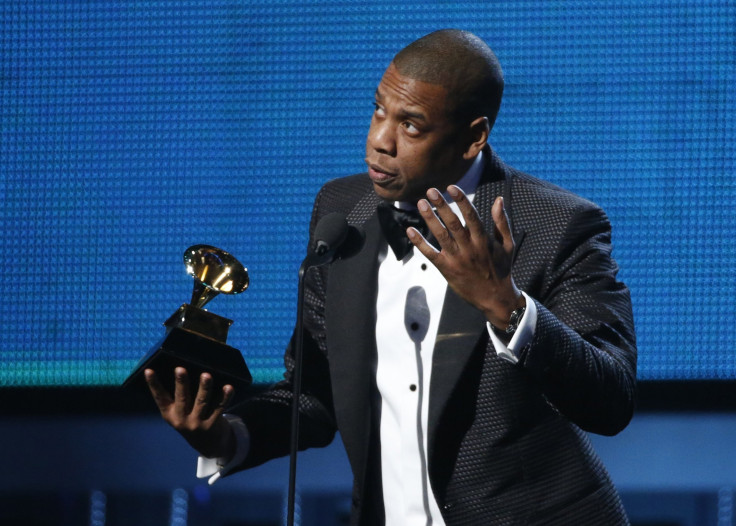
column 409, row 127
column 377, row 109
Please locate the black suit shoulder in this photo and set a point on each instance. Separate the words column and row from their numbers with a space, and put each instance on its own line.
column 536, row 202
column 557, row 226
column 342, row 194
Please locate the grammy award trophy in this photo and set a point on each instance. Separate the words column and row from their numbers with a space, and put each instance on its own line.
column 195, row 338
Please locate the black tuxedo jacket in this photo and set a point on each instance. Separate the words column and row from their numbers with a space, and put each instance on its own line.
column 505, row 442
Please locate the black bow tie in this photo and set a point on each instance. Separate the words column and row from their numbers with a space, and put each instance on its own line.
column 394, row 222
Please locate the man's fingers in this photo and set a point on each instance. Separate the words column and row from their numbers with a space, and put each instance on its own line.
column 498, row 212
column 214, row 412
column 470, row 214
column 422, row 245
column 160, row 395
column 227, row 394
column 204, row 393
column 206, row 405
column 441, row 233
column 182, row 399
column 451, row 232
column 434, row 224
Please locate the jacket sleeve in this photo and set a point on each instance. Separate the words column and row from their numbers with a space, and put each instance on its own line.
column 583, row 353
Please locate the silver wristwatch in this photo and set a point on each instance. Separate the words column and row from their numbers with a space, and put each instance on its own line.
column 515, row 320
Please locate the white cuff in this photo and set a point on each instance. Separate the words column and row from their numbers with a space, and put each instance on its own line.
column 523, row 335
column 217, row 467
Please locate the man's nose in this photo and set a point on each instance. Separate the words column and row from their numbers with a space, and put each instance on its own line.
column 382, row 137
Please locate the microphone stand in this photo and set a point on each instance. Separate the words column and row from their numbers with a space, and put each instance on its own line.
column 297, row 391
column 322, row 255
column 329, row 234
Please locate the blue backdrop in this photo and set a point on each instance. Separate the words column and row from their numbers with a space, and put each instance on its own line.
column 132, row 130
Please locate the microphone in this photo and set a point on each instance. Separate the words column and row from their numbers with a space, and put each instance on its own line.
column 330, row 233
column 333, row 238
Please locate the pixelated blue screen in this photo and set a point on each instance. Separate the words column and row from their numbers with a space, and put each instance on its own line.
column 132, row 130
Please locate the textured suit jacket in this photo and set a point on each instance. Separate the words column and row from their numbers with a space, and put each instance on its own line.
column 505, row 442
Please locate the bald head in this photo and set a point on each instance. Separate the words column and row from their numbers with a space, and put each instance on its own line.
column 463, row 64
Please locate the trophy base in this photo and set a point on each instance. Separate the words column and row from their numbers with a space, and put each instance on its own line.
column 196, row 352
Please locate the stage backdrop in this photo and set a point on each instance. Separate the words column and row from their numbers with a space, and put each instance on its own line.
column 132, row 130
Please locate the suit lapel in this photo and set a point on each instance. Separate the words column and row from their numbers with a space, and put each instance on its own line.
column 461, row 326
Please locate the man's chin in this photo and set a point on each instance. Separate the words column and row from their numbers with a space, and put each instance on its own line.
column 387, row 194
column 395, row 194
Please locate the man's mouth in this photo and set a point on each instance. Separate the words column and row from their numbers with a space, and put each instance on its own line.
column 378, row 174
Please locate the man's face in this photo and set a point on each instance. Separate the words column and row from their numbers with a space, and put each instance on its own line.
column 412, row 144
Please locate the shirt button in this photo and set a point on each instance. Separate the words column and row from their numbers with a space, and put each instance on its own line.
column 413, row 387
column 424, row 266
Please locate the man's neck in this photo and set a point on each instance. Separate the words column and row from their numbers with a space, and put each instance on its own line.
column 467, row 183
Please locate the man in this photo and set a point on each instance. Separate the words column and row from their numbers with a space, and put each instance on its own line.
column 462, row 374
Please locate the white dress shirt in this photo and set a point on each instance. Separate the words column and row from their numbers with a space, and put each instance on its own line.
column 410, row 296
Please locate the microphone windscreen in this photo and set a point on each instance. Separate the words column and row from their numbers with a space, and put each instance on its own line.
column 330, row 232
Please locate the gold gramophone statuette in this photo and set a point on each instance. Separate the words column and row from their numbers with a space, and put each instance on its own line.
column 195, row 338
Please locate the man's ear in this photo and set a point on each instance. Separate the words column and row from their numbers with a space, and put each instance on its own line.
column 478, row 132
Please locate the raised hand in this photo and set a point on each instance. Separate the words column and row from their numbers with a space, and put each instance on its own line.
column 475, row 264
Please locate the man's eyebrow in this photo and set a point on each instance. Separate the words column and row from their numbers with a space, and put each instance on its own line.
column 414, row 115
column 404, row 112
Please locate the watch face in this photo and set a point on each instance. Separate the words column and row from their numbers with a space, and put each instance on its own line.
column 514, row 320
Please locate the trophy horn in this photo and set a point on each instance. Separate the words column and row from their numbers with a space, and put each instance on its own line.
column 214, row 271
